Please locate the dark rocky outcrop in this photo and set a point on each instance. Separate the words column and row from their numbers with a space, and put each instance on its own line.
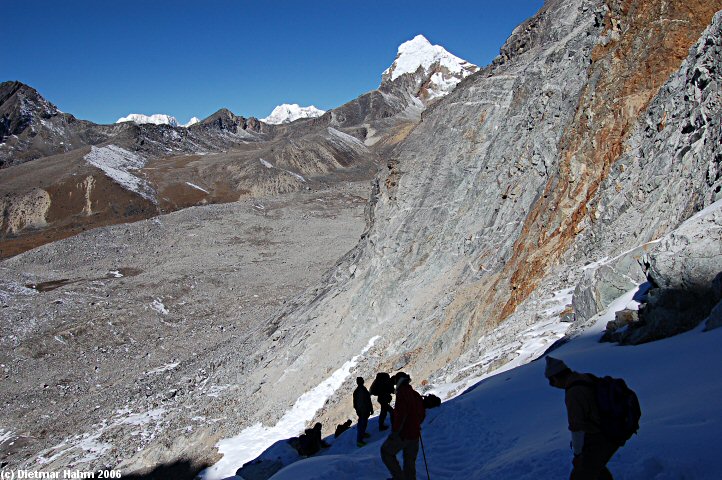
column 685, row 269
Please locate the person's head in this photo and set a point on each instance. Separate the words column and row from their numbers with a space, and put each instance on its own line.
column 317, row 427
column 402, row 378
column 557, row 372
column 359, row 381
column 348, row 422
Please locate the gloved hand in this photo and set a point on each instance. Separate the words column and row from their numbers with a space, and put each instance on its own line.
column 577, row 442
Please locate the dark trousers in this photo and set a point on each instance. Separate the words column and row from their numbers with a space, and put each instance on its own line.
column 386, row 408
column 591, row 464
column 363, row 422
column 392, row 446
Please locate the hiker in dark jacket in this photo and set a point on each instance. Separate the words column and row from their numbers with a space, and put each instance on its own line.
column 310, row 442
column 592, row 449
column 317, row 437
column 405, row 430
column 364, row 409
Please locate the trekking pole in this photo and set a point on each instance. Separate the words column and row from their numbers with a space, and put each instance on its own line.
column 424, row 454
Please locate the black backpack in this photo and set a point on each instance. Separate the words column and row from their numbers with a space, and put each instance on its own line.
column 307, row 444
column 618, row 408
column 380, row 385
column 431, row 401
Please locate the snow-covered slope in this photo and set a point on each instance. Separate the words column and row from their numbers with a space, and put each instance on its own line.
column 117, row 164
column 508, row 423
column 157, row 119
column 444, row 69
column 287, row 113
column 512, row 425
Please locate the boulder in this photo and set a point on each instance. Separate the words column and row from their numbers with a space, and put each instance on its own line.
column 690, row 257
column 601, row 286
column 668, row 312
column 685, row 267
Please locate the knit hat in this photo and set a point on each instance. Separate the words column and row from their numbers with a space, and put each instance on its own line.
column 554, row 367
column 401, row 378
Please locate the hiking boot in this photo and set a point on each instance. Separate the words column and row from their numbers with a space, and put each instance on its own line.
column 383, row 427
column 361, row 444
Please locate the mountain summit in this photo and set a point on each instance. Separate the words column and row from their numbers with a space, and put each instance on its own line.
column 441, row 69
column 287, row 113
column 156, row 119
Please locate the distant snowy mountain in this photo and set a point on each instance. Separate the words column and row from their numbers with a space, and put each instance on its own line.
column 192, row 121
column 444, row 70
column 287, row 113
column 157, row 119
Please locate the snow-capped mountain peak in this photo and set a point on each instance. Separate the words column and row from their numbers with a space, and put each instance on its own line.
column 287, row 113
column 192, row 121
column 443, row 69
column 157, row 119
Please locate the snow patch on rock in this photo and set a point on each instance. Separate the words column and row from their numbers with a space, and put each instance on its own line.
column 193, row 185
column 253, row 440
column 158, row 306
column 117, row 163
column 92, row 445
column 5, row 435
column 164, row 368
column 297, row 176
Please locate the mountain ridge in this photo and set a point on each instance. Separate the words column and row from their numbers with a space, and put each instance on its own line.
column 346, row 142
column 550, row 146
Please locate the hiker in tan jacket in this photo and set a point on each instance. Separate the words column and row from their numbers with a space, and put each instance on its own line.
column 592, row 449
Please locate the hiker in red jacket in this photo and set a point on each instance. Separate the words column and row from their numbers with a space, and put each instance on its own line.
column 405, row 430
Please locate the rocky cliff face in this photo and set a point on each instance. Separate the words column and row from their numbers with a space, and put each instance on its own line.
column 498, row 198
column 670, row 170
column 32, row 128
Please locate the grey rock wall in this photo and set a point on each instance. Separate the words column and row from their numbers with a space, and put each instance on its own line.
column 671, row 170
column 672, row 165
column 449, row 208
column 453, row 200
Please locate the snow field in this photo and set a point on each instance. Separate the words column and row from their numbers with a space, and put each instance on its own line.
column 513, row 424
column 252, row 441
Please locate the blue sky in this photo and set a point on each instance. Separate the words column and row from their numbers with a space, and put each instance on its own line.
column 102, row 59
